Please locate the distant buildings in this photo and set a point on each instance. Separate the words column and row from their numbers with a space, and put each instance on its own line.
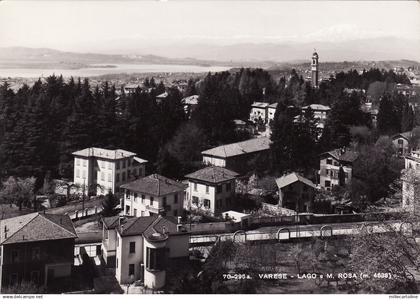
column 36, row 247
column 145, row 247
column 130, row 89
column 100, row 170
column 259, row 112
column 237, row 156
column 296, row 192
column 330, row 164
column 190, row 103
column 161, row 97
column 210, row 189
column 153, row 195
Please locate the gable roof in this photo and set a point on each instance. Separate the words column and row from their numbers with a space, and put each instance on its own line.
column 342, row 155
column 162, row 95
column 36, row 227
column 291, row 178
column 318, row 107
column 260, row 105
column 149, row 226
column 273, row 105
column 213, row 174
column 405, row 135
column 191, row 100
column 239, row 148
column 154, row 184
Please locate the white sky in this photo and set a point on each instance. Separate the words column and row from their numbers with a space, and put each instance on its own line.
column 81, row 25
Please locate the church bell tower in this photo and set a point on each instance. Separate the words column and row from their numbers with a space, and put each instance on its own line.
column 314, row 69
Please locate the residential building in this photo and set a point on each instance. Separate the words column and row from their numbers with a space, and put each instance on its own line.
column 109, row 239
column 330, row 164
column 36, row 247
column 152, row 195
column 240, row 156
column 131, row 88
column 259, row 112
column 411, row 183
column 296, row 192
column 146, row 246
column 161, row 97
column 100, row 170
column 401, row 142
column 190, row 103
column 321, row 112
column 271, row 111
column 210, row 189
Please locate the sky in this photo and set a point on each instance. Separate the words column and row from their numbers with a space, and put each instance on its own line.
column 103, row 26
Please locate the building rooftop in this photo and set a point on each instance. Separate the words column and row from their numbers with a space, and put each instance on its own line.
column 191, row 100
column 155, row 184
column 259, row 105
column 291, row 178
column 405, row 135
column 148, row 226
column 317, row 107
column 273, row 105
column 213, row 174
column 239, row 148
column 36, row 227
column 162, row 95
column 343, row 155
column 105, row 153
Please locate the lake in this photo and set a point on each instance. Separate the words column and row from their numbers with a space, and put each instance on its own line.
column 118, row 69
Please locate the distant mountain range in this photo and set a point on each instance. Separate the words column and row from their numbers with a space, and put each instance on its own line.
column 269, row 55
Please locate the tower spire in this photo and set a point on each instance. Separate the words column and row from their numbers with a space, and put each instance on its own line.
column 314, row 69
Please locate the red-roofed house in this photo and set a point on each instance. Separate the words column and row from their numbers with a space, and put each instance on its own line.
column 36, row 247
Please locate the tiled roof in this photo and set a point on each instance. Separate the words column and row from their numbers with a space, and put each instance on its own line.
column 274, row 105
column 239, row 148
column 260, row 105
column 104, row 153
column 292, row 178
column 405, row 135
column 318, row 107
column 162, row 95
column 149, row 225
column 155, row 184
column 213, row 174
column 36, row 227
column 345, row 155
column 110, row 222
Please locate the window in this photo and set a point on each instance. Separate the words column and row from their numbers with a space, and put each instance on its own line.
column 77, row 173
column 15, row 256
column 130, row 269
column 228, row 187
column 84, row 162
column 142, row 198
column 207, row 203
column 36, row 253
column 128, row 162
column 176, row 198
column 327, row 184
column 117, row 177
column 135, row 195
column 195, row 200
column 77, row 162
column 102, row 164
column 400, row 141
column 109, row 177
column 219, row 188
column 109, row 165
column 117, row 165
column 135, row 212
column 336, row 163
column 207, row 189
column 102, row 176
column 123, row 164
column 195, row 186
column 155, row 258
column 132, row 247
column 127, row 210
column 128, row 173
column 329, row 161
column 123, row 176
column 151, row 200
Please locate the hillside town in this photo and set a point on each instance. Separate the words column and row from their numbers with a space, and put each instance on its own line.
column 169, row 188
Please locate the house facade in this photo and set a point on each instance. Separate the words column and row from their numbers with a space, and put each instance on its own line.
column 271, row 111
column 100, row 170
column 153, row 195
column 259, row 112
column 330, row 164
column 210, row 189
column 296, row 193
column 401, row 142
column 145, row 247
column 36, row 247
column 239, row 156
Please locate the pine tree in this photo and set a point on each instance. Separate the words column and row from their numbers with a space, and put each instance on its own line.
column 109, row 205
